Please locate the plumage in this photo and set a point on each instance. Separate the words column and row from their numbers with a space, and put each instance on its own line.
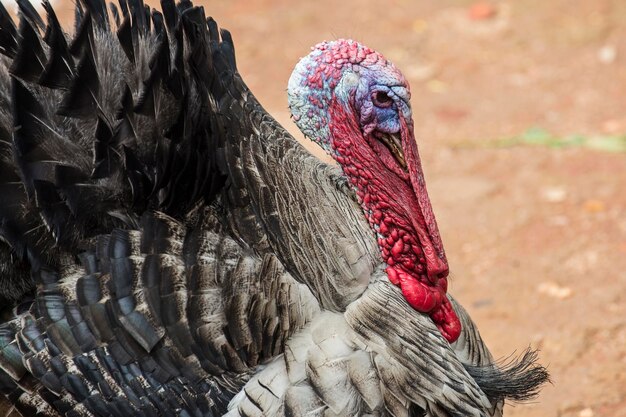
column 169, row 249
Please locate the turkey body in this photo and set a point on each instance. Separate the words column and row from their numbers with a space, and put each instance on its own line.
column 170, row 249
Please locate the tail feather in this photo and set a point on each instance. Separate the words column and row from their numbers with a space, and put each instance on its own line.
column 8, row 33
column 30, row 13
column 516, row 379
column 59, row 70
column 30, row 56
column 104, row 126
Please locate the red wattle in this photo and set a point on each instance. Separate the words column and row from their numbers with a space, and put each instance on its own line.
column 392, row 275
column 447, row 321
column 419, row 296
column 431, row 300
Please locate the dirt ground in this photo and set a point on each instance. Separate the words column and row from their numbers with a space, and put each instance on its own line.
column 535, row 235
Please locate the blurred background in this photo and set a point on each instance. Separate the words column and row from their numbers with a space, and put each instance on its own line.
column 520, row 115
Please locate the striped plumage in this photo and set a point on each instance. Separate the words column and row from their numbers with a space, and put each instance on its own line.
column 163, row 242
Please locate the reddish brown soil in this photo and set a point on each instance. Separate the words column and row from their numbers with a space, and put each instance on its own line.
column 535, row 236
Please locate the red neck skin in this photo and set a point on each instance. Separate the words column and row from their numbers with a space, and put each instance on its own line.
column 397, row 207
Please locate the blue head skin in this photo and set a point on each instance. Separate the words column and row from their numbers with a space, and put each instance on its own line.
column 362, row 79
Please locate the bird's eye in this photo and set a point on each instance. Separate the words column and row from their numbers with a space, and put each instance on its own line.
column 381, row 99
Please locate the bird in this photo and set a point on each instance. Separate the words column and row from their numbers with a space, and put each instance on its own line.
column 168, row 248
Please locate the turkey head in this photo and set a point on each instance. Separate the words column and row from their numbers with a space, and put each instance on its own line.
column 355, row 104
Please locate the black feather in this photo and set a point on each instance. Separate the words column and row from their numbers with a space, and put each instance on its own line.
column 169, row 13
column 98, row 11
column 28, row 11
column 104, row 154
column 30, row 58
column 28, row 115
column 82, row 98
column 55, row 213
column 8, row 33
column 83, row 33
column 125, row 37
column 518, row 379
column 59, row 69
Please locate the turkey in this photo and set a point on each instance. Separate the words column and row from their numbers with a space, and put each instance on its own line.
column 169, row 249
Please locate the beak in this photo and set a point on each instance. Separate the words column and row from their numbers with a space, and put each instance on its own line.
column 436, row 264
column 427, row 230
column 393, row 142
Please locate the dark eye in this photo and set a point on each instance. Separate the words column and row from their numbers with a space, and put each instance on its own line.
column 381, row 99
